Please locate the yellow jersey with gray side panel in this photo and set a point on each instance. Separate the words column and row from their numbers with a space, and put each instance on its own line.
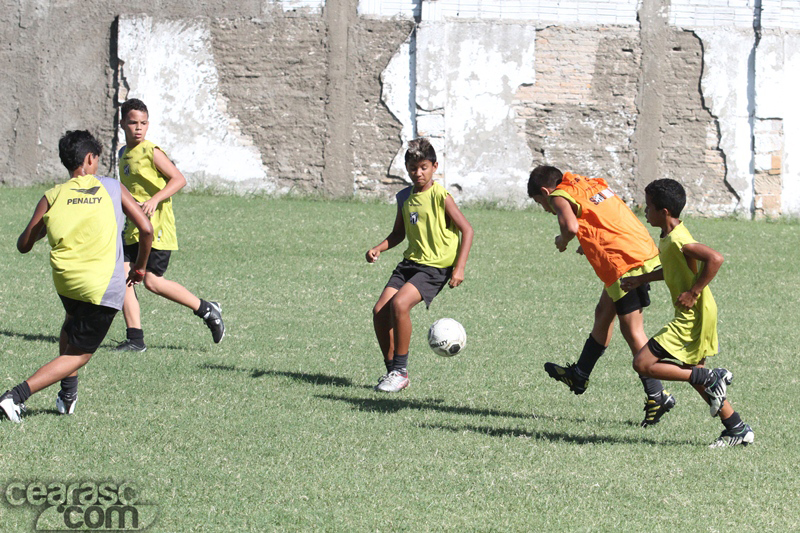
column 432, row 239
column 84, row 225
column 139, row 174
column 692, row 334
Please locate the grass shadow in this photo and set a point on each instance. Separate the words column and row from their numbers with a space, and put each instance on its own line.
column 394, row 404
column 30, row 336
column 314, row 379
column 557, row 436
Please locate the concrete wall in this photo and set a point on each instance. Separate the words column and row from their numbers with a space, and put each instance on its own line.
column 323, row 95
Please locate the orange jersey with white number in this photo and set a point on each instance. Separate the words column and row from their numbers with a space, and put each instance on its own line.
column 613, row 239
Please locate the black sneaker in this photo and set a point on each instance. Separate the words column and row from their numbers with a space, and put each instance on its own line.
column 10, row 408
column 131, row 345
column 717, row 388
column 568, row 376
column 66, row 406
column 655, row 409
column 213, row 319
column 743, row 436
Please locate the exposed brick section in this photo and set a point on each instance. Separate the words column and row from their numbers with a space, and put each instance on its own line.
column 768, row 180
column 273, row 72
column 376, row 133
column 689, row 151
column 580, row 114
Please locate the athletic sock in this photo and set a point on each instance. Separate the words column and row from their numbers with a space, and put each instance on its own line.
column 592, row 351
column 134, row 334
column 21, row 393
column 389, row 365
column 733, row 422
column 699, row 376
column 652, row 387
column 400, row 363
column 204, row 309
column 69, row 387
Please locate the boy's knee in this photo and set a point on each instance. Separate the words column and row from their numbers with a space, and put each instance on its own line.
column 151, row 282
column 641, row 364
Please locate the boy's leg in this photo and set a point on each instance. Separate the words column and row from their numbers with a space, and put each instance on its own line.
column 382, row 322
column 134, row 336
column 400, row 306
column 736, row 432
column 576, row 375
column 210, row 312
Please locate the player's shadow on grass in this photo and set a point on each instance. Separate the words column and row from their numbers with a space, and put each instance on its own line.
column 314, row 379
column 30, row 336
column 394, row 404
column 556, row 436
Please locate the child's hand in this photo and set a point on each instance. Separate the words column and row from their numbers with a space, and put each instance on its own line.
column 579, row 251
column 135, row 277
column 687, row 299
column 560, row 243
column 629, row 283
column 456, row 277
column 373, row 255
column 149, row 207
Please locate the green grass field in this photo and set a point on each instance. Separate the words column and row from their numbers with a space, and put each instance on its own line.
column 278, row 429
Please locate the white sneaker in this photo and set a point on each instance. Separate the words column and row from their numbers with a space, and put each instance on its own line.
column 66, row 407
column 380, row 380
column 395, row 382
column 12, row 410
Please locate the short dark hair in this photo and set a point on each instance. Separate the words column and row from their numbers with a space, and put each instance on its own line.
column 543, row 176
column 667, row 194
column 420, row 149
column 74, row 145
column 134, row 104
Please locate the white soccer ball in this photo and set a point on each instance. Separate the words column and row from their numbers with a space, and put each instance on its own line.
column 447, row 337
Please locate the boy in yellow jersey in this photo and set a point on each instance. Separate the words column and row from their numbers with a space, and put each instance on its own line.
column 428, row 216
column 152, row 179
column 82, row 219
column 678, row 352
column 617, row 245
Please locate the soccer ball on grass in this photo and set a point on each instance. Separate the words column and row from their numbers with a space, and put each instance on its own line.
column 447, row 337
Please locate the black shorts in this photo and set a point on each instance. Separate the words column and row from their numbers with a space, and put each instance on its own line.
column 87, row 324
column 658, row 350
column 639, row 298
column 157, row 261
column 428, row 280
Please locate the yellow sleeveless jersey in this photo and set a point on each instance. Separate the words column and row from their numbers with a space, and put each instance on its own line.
column 84, row 224
column 431, row 240
column 141, row 177
column 692, row 334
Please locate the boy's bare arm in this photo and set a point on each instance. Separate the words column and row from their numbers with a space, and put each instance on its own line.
column 395, row 237
column 458, row 218
column 137, row 216
column 567, row 221
column 175, row 181
column 631, row 282
column 35, row 229
column 712, row 260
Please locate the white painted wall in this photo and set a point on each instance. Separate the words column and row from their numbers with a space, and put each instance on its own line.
column 169, row 66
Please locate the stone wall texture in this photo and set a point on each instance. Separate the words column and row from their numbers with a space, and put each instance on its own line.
column 321, row 96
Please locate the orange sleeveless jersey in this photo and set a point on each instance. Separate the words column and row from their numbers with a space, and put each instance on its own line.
column 611, row 236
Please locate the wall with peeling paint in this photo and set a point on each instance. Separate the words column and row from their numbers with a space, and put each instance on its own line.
column 323, row 95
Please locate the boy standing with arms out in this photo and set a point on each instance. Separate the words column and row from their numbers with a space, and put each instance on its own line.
column 82, row 219
column 688, row 268
column 429, row 217
column 152, row 179
column 617, row 245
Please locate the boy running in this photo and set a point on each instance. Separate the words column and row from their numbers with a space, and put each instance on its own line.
column 152, row 179
column 617, row 245
column 82, row 219
column 678, row 352
column 428, row 216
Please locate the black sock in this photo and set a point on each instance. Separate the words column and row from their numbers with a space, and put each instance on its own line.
column 592, row 351
column 69, row 387
column 400, row 362
column 699, row 376
column 652, row 387
column 21, row 392
column 134, row 334
column 733, row 422
column 204, row 308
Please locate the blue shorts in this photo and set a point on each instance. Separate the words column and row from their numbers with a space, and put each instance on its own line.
column 428, row 280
